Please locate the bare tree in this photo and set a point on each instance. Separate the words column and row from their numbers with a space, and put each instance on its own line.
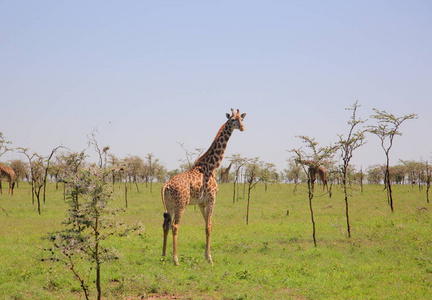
column 190, row 157
column 316, row 158
column 386, row 129
column 47, row 166
column 102, row 153
column 347, row 145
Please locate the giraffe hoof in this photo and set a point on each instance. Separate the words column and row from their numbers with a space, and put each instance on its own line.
column 209, row 258
column 176, row 263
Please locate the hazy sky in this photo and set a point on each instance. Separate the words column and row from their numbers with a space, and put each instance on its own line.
column 151, row 74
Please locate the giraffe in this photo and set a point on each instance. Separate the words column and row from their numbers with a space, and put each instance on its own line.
column 10, row 174
column 197, row 186
column 225, row 174
column 317, row 169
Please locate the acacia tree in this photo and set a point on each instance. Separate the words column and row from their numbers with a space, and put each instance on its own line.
column 36, row 175
column 293, row 173
column 21, row 169
column 160, row 171
column 268, row 174
column 374, row 174
column 415, row 171
column 238, row 163
column 347, row 145
column 386, row 129
column 39, row 168
column 151, row 169
column 71, row 164
column 134, row 167
column 360, row 177
column 316, row 158
column 117, row 168
column 87, row 228
column 4, row 144
column 252, row 175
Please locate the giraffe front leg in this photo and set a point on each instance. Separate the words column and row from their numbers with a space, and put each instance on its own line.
column 207, row 254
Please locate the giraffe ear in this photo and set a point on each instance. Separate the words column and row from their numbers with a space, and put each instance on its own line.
column 228, row 115
column 243, row 116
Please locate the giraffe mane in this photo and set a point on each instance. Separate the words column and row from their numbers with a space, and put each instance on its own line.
column 211, row 146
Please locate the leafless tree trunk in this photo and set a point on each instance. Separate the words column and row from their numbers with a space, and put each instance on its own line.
column 126, row 194
column 310, row 196
column 46, row 171
column 353, row 141
column 252, row 175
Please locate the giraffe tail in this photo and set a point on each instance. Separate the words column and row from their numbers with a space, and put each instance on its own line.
column 167, row 221
column 163, row 196
column 167, row 216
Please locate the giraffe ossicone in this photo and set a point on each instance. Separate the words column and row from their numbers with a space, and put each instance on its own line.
column 197, row 186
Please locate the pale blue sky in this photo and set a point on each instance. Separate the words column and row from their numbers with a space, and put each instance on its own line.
column 149, row 74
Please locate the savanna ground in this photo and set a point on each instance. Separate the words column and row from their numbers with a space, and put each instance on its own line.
column 389, row 255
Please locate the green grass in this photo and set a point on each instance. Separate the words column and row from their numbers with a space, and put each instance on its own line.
column 389, row 255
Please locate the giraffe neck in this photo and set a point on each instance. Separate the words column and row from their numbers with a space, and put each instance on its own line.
column 212, row 159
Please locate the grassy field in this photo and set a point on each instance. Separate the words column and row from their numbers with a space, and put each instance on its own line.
column 389, row 255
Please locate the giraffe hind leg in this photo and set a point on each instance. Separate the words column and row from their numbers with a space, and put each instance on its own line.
column 175, row 229
column 207, row 212
column 11, row 188
column 325, row 185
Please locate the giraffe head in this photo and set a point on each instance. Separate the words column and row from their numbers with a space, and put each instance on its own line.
column 235, row 119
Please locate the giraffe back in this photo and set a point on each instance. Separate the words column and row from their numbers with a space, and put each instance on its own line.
column 7, row 172
column 186, row 188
